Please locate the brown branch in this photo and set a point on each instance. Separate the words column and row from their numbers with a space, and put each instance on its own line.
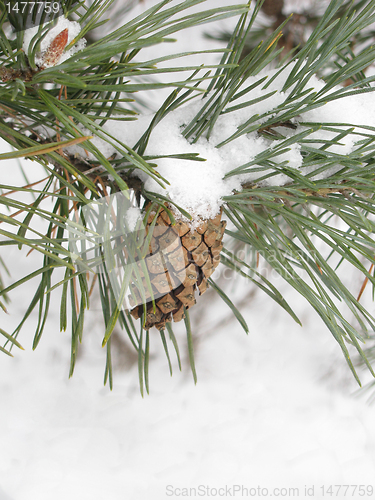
column 10, row 74
column 340, row 188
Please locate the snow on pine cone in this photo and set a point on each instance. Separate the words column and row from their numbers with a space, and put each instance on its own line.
column 180, row 261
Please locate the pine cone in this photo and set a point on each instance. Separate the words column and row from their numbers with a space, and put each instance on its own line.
column 179, row 262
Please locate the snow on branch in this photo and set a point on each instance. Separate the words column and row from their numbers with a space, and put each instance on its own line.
column 257, row 156
column 52, row 46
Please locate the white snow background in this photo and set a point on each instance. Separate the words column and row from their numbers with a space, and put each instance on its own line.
column 274, row 409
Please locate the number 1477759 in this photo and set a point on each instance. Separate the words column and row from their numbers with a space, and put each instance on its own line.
column 347, row 490
column 31, row 7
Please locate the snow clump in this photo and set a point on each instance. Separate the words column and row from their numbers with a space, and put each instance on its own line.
column 73, row 28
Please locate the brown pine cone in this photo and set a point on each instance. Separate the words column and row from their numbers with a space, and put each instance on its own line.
column 179, row 262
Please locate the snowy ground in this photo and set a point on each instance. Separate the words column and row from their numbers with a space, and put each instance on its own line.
column 274, row 409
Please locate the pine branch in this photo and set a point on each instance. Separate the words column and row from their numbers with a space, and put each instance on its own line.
column 296, row 188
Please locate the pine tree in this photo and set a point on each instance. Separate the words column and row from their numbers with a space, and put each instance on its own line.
column 307, row 221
